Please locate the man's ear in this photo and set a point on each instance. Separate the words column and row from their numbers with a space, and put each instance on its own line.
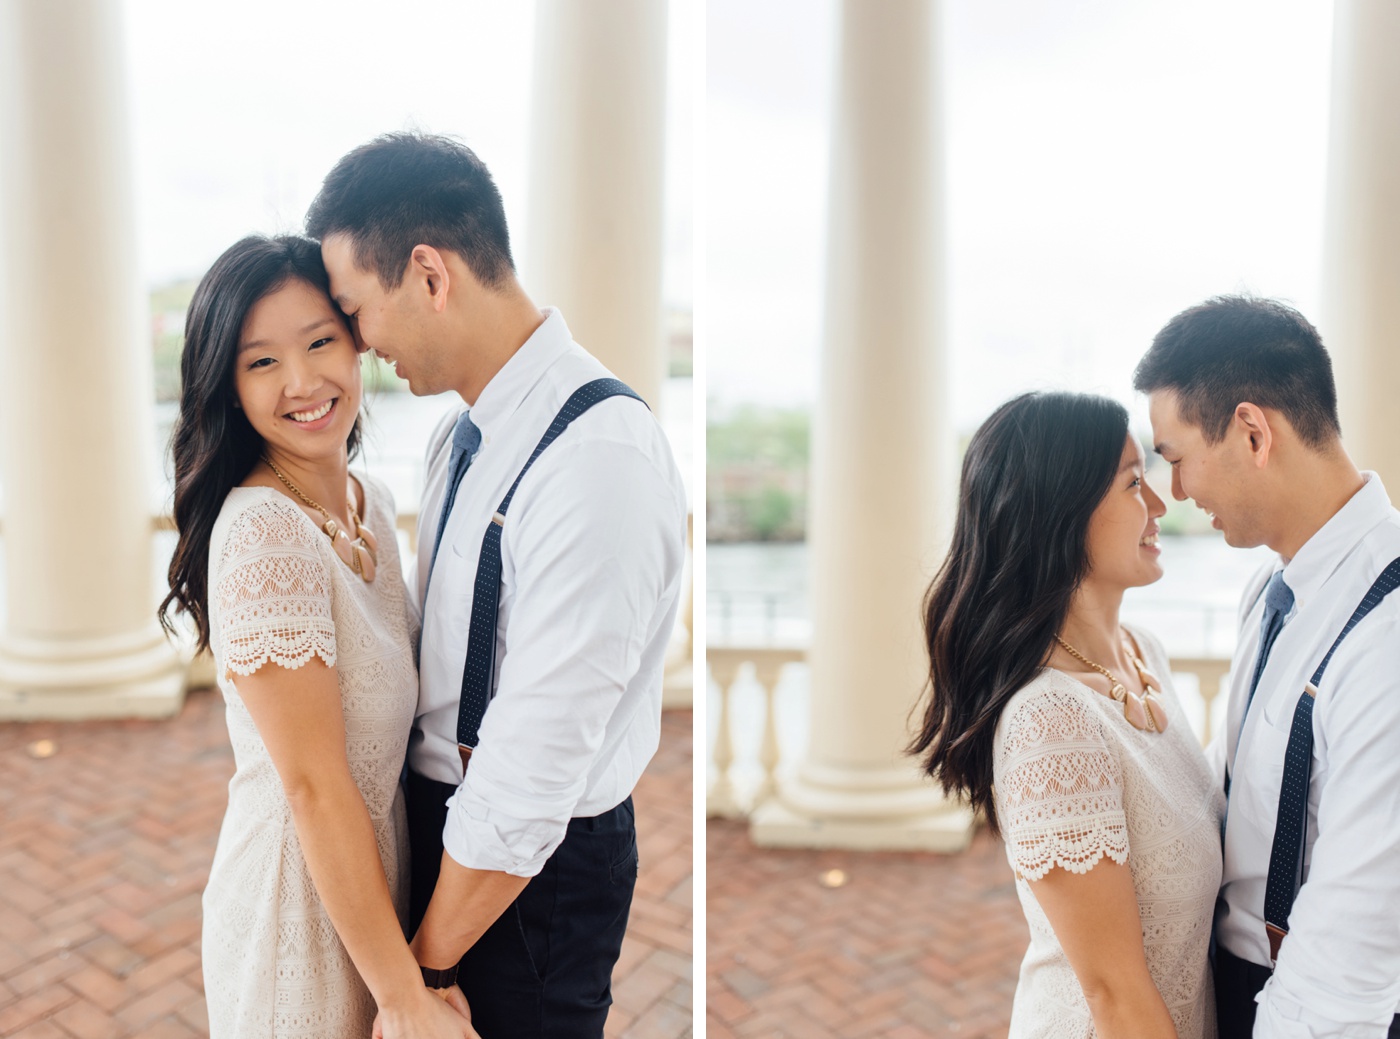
column 1251, row 420
column 429, row 267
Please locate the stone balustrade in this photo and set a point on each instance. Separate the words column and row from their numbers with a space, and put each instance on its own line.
column 744, row 764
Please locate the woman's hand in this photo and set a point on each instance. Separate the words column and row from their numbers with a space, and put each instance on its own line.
column 428, row 1014
column 299, row 716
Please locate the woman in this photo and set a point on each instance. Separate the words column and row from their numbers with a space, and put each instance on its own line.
column 287, row 564
column 1061, row 725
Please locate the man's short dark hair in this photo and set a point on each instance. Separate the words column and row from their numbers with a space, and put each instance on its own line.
column 407, row 189
column 1233, row 349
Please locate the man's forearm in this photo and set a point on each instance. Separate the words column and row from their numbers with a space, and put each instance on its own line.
column 465, row 903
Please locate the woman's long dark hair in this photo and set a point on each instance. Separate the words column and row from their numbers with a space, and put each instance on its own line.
column 213, row 444
column 1033, row 475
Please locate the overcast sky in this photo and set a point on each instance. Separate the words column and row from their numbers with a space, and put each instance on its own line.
column 1109, row 164
column 240, row 109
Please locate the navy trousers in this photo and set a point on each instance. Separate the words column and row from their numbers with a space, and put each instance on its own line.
column 1237, row 982
column 543, row 970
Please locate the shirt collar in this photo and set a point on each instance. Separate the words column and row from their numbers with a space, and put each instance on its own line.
column 1320, row 555
column 509, row 386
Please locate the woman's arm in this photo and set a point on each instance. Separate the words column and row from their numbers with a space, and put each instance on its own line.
column 1095, row 917
column 298, row 715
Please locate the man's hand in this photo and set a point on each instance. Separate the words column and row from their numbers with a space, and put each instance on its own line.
column 431, row 1014
column 456, row 999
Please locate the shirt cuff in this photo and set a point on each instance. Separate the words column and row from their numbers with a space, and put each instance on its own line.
column 1280, row 1017
column 478, row 838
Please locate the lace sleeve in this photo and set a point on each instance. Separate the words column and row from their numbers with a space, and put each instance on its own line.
column 1059, row 788
column 272, row 592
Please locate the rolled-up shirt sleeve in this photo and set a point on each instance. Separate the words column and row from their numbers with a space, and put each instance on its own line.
column 596, row 570
column 1338, row 970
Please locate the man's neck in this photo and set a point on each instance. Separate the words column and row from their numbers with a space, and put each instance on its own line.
column 1321, row 485
column 497, row 332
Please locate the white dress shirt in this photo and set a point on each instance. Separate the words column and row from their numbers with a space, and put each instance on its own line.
column 591, row 556
column 1338, row 971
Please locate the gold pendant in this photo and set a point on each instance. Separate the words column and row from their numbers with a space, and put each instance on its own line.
column 366, row 562
column 1158, row 713
column 1134, row 711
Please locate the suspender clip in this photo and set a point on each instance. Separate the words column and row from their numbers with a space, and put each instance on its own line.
column 465, row 753
column 1311, row 690
column 498, row 519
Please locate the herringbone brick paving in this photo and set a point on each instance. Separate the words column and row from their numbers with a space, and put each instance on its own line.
column 913, row 945
column 105, row 847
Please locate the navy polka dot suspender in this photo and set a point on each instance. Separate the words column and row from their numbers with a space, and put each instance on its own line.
column 1290, row 830
column 481, row 637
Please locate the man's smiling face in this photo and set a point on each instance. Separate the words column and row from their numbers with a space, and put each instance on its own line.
column 383, row 320
column 1217, row 477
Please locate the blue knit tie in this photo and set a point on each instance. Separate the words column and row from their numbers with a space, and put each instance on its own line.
column 466, row 438
column 1278, row 600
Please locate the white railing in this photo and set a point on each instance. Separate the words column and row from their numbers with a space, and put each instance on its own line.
column 738, row 784
column 678, row 691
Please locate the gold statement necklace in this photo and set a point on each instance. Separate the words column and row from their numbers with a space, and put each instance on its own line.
column 359, row 553
column 1143, row 712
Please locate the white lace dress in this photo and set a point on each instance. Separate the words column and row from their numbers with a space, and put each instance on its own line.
column 1075, row 782
column 273, row 964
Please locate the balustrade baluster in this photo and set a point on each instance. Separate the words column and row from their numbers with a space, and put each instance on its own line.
column 722, row 799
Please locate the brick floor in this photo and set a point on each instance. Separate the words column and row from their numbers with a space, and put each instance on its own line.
column 105, row 847
column 652, row 983
column 913, row 945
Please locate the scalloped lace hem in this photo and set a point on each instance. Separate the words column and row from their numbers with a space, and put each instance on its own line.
column 246, row 663
column 1077, row 860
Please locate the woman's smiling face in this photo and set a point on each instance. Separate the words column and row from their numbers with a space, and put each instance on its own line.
column 297, row 373
column 1123, row 530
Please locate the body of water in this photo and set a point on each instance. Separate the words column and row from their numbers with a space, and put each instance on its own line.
column 396, row 429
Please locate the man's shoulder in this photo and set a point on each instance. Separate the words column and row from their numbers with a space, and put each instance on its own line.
column 619, row 418
column 1377, row 549
column 1382, row 542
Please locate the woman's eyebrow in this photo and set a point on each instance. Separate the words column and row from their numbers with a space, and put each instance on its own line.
column 258, row 343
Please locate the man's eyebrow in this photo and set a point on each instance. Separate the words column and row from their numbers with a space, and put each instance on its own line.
column 1159, row 448
column 342, row 302
column 257, row 344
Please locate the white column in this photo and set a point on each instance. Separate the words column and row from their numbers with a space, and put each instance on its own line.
column 882, row 454
column 596, row 178
column 1361, row 258
column 80, row 637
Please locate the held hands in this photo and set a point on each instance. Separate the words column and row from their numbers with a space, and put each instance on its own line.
column 456, row 999
column 430, row 1014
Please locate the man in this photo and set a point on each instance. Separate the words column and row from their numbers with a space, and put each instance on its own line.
column 1243, row 406
column 524, row 862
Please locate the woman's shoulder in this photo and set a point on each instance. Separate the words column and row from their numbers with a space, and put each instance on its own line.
column 1051, row 710
column 257, row 518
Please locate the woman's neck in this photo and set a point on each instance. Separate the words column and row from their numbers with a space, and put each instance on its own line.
column 325, row 481
column 1092, row 627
